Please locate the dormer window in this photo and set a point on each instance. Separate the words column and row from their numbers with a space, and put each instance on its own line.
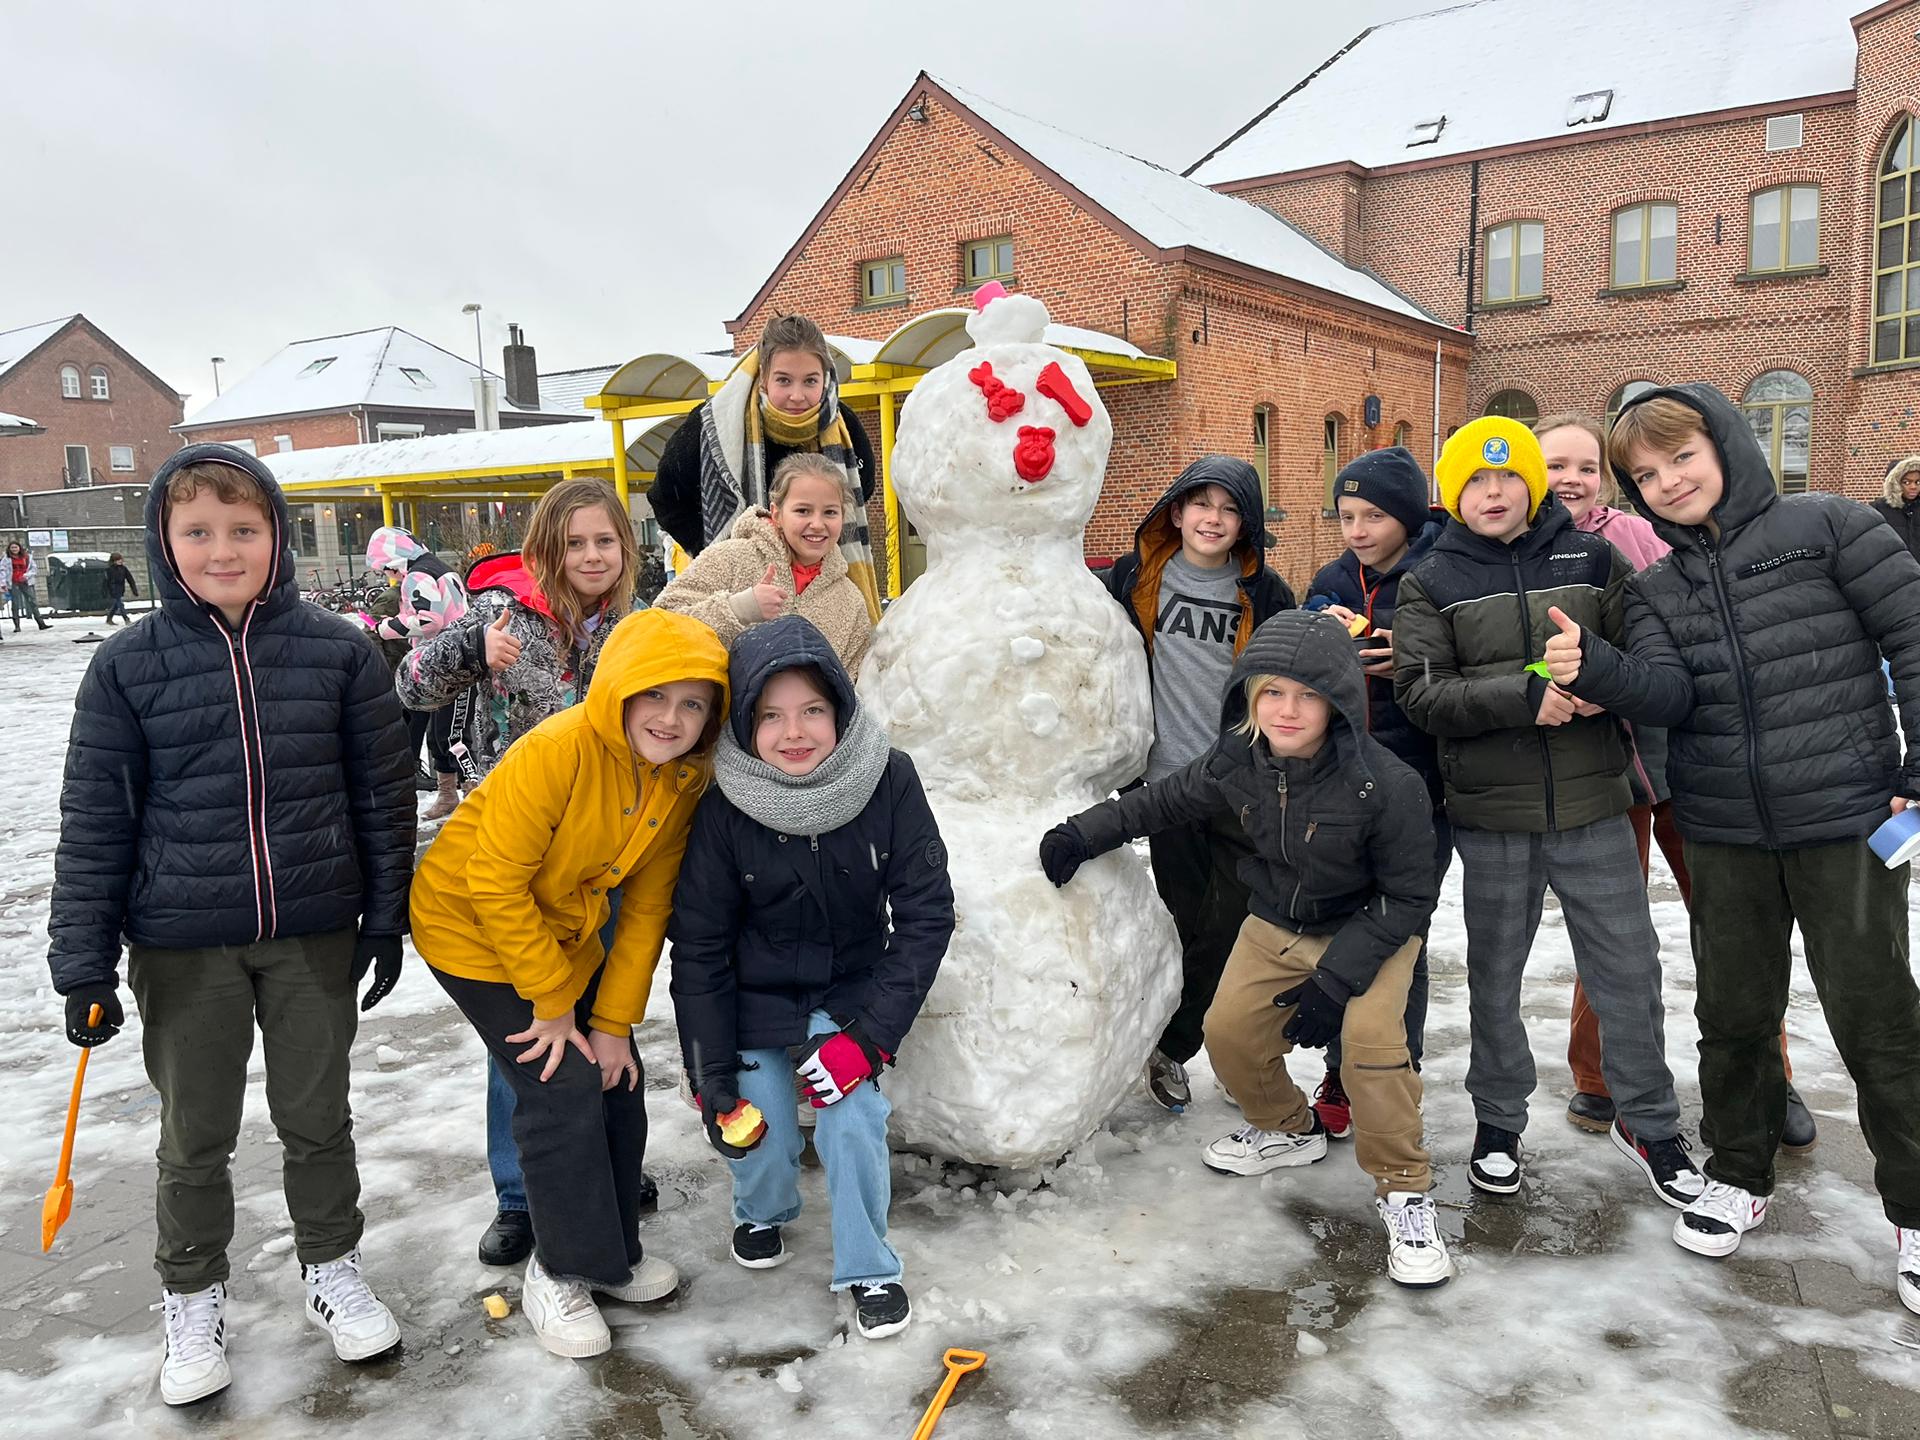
column 418, row 378
column 318, row 365
column 1426, row 132
column 1590, row 108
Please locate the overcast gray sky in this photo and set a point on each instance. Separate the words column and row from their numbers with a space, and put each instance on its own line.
column 208, row 178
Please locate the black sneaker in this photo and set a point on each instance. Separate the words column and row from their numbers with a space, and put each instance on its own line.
column 1799, row 1135
column 1665, row 1163
column 509, row 1239
column 881, row 1310
column 758, row 1247
column 649, row 1196
column 423, row 783
column 1495, row 1167
column 1167, row 1083
column 1592, row 1113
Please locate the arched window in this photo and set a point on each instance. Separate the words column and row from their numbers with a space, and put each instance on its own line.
column 1779, row 407
column 1261, row 457
column 1896, row 255
column 98, row 374
column 1329, row 460
column 1402, row 433
column 70, row 382
column 1625, row 393
column 1514, row 404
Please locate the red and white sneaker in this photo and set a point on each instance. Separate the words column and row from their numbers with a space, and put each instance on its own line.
column 1330, row 1103
column 1906, row 1269
column 1713, row 1224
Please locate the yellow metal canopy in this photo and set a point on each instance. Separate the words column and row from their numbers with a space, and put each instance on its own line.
column 656, row 391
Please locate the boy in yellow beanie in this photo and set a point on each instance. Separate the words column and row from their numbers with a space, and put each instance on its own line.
column 1537, row 793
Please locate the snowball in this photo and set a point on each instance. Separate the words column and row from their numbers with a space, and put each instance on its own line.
column 1027, row 648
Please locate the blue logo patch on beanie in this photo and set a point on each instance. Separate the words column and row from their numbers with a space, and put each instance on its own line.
column 1495, row 451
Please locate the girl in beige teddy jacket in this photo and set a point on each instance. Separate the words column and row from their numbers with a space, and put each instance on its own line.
column 783, row 561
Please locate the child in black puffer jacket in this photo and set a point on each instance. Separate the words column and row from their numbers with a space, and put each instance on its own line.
column 1342, row 889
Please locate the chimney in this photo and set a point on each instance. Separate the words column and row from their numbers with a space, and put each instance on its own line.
column 523, row 379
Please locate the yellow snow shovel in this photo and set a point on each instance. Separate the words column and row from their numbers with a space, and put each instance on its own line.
column 958, row 1363
column 59, row 1202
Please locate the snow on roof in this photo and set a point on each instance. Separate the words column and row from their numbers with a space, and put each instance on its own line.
column 562, row 391
column 525, row 449
column 1170, row 211
column 388, row 367
column 1506, row 71
column 17, row 422
column 16, row 345
column 937, row 336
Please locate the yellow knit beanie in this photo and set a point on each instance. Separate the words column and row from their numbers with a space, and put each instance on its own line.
column 1492, row 442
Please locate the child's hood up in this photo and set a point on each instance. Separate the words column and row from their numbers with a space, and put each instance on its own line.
column 1312, row 647
column 281, row 588
column 1156, row 531
column 646, row 649
column 763, row 651
column 1743, row 464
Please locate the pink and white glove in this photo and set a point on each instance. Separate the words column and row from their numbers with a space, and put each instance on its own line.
column 832, row 1065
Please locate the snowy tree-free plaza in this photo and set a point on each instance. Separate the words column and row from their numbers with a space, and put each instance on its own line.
column 1125, row 1292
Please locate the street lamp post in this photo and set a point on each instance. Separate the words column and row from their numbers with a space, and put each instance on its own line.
column 218, row 361
column 479, row 346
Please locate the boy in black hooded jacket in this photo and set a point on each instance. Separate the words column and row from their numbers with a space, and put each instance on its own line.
column 1758, row 643
column 1342, row 887
column 1196, row 587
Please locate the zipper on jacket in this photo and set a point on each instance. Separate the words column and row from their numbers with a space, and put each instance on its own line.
column 1747, row 711
column 1526, row 646
column 253, row 753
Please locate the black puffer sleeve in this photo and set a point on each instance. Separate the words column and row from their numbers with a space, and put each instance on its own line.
column 380, row 800
column 100, row 803
column 1179, row 799
column 919, row 906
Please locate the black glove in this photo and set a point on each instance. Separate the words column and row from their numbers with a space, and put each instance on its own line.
column 382, row 952
column 719, row 1097
column 80, row 1004
column 1317, row 1021
column 1062, row 852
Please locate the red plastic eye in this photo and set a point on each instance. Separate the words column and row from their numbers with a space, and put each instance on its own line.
column 1054, row 384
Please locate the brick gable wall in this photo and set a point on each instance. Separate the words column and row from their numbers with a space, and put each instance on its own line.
column 137, row 414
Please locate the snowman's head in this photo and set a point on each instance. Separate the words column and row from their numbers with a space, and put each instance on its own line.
column 1008, row 435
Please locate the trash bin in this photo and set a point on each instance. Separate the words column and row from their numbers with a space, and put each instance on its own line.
column 77, row 583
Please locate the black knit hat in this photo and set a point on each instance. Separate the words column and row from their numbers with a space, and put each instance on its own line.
column 1390, row 480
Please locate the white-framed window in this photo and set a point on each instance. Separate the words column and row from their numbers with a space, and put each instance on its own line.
column 283, row 443
column 120, row 457
column 79, row 468
column 245, row 444
column 70, row 382
column 398, row 432
column 101, row 390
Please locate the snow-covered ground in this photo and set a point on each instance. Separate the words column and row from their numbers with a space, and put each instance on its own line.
column 1133, row 1293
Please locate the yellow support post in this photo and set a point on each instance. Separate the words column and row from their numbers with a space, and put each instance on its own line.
column 896, row 531
column 620, row 459
column 386, row 506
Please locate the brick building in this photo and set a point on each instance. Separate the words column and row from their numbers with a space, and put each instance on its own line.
column 370, row 385
column 1279, row 342
column 1609, row 196
column 98, row 415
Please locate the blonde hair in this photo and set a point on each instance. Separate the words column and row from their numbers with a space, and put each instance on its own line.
column 804, row 462
column 233, row 485
column 1248, row 726
column 1661, row 425
column 792, row 332
column 1579, row 420
column 545, row 550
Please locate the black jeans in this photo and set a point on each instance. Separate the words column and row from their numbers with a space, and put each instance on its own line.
column 1196, row 870
column 1852, row 912
column 581, row 1148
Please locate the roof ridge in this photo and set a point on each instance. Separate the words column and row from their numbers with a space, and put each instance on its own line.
column 961, row 90
column 56, row 320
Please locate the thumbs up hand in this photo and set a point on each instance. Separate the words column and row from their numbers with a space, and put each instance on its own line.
column 768, row 594
column 1563, row 649
column 502, row 649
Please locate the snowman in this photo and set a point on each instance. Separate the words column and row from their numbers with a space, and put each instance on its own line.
column 1016, row 684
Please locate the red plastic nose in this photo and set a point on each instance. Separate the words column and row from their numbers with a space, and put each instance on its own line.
column 1033, row 454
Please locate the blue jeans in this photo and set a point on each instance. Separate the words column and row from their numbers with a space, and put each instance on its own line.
column 503, row 1156
column 851, row 1137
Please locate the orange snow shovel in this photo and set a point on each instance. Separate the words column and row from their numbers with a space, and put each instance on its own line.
column 59, row 1202
column 958, row 1363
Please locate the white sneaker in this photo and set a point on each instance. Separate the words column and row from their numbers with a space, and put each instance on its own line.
column 651, row 1280
column 194, row 1364
column 1906, row 1269
column 563, row 1314
column 1416, row 1255
column 339, row 1302
column 1713, row 1224
column 1253, row 1151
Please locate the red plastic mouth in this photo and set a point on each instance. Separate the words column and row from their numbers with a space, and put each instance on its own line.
column 1033, row 455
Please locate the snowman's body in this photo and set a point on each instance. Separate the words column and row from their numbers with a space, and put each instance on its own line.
column 1021, row 692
